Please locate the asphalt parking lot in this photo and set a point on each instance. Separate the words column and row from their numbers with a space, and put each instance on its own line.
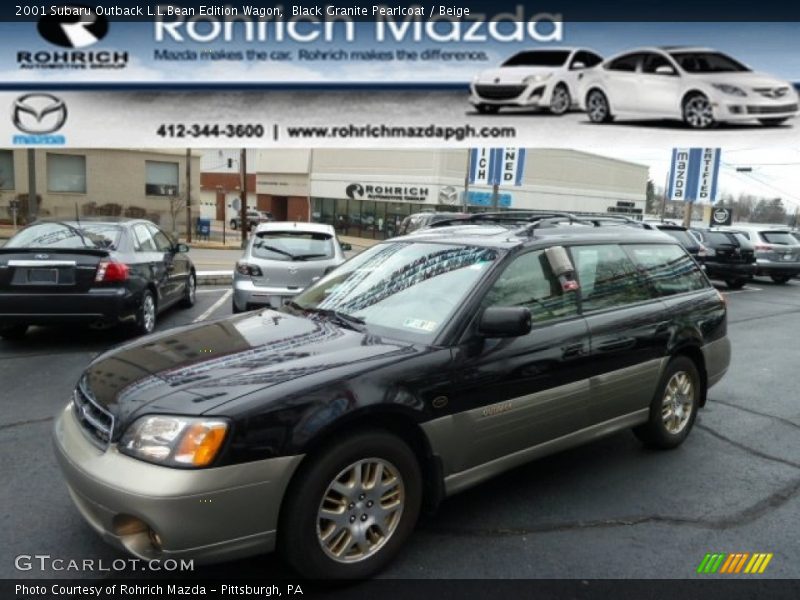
column 608, row 510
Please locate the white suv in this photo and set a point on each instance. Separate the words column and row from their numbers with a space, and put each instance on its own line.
column 697, row 85
column 534, row 78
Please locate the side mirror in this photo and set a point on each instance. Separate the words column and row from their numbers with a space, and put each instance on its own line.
column 665, row 70
column 578, row 65
column 345, row 246
column 181, row 248
column 505, row 322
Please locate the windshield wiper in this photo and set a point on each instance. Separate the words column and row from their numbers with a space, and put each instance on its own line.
column 77, row 231
column 307, row 256
column 274, row 249
column 349, row 321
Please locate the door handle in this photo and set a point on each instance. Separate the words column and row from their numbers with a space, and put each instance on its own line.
column 573, row 350
column 618, row 344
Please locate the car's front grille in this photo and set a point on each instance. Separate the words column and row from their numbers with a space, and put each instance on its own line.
column 499, row 92
column 770, row 110
column 96, row 421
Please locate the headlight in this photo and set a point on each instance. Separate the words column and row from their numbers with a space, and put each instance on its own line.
column 729, row 89
column 175, row 441
column 536, row 78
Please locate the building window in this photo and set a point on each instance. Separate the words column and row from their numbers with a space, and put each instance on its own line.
column 66, row 173
column 161, row 178
column 6, row 170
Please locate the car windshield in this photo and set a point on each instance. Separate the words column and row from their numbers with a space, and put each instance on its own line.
column 67, row 235
column 293, row 245
column 782, row 238
column 403, row 290
column 538, row 58
column 707, row 62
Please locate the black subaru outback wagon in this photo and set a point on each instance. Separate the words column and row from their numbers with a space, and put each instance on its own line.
column 417, row 369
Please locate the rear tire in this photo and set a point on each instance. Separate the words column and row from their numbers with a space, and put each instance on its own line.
column 371, row 478
column 146, row 314
column 235, row 309
column 190, row 295
column 780, row 279
column 773, row 122
column 735, row 284
column 674, row 406
column 13, row 332
column 598, row 107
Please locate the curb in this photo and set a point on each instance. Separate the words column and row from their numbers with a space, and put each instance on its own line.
column 214, row 277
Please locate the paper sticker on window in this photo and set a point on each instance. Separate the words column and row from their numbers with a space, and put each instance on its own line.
column 420, row 324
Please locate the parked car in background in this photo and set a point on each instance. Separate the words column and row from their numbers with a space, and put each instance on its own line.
column 425, row 219
column 281, row 260
column 679, row 233
column 728, row 255
column 699, row 86
column 418, row 369
column 254, row 218
column 103, row 272
column 777, row 250
column 534, row 78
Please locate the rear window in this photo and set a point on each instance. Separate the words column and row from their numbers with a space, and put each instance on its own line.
column 67, row 235
column 293, row 245
column 668, row 268
column 782, row 238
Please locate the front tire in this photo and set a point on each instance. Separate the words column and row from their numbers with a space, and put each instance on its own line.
column 780, row 279
column 598, row 108
column 773, row 122
column 13, row 332
column 674, row 406
column 351, row 508
column 190, row 293
column 735, row 284
column 560, row 101
column 698, row 112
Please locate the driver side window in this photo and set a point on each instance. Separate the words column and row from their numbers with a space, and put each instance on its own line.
column 529, row 281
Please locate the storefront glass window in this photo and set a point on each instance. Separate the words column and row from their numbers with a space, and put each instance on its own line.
column 340, row 212
column 354, row 218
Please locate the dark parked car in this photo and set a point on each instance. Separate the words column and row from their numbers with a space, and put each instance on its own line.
column 425, row 219
column 728, row 255
column 254, row 219
column 419, row 368
column 102, row 272
column 679, row 233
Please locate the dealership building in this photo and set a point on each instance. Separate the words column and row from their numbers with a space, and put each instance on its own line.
column 367, row 193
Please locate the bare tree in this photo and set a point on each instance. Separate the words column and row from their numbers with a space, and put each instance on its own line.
column 177, row 203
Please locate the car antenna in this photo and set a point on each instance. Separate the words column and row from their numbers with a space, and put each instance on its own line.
column 77, row 215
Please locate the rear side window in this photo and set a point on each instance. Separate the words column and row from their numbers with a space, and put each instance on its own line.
column 529, row 281
column 608, row 277
column 668, row 268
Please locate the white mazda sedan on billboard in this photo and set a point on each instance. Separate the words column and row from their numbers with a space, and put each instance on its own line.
column 534, row 78
column 699, row 86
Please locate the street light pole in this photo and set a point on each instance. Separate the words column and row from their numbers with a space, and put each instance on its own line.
column 243, row 196
column 32, row 208
column 188, row 196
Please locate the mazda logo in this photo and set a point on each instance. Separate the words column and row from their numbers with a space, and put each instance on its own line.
column 39, row 114
column 42, row 256
column 292, row 270
column 78, row 27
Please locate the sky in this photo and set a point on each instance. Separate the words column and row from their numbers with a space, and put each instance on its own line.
column 772, row 47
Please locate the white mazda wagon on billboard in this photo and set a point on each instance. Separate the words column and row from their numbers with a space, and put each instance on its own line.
column 700, row 86
column 534, row 78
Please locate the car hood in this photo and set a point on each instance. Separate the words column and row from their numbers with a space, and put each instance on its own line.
column 512, row 75
column 194, row 369
column 744, row 79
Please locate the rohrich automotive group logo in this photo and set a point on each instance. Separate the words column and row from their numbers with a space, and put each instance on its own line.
column 76, row 27
column 73, row 27
column 387, row 192
column 38, row 116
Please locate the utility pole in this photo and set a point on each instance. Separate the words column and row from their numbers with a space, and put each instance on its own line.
column 32, row 204
column 188, row 196
column 465, row 202
column 664, row 197
column 243, row 196
column 495, row 196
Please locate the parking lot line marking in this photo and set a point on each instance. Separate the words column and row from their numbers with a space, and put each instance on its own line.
column 214, row 307
column 214, row 291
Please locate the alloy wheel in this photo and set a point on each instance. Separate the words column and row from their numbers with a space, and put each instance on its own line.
column 360, row 510
column 678, row 402
column 698, row 113
column 148, row 313
column 597, row 107
column 559, row 104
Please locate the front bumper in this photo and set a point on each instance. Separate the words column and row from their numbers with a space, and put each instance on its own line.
column 535, row 94
column 99, row 304
column 247, row 295
column 208, row 515
column 749, row 108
